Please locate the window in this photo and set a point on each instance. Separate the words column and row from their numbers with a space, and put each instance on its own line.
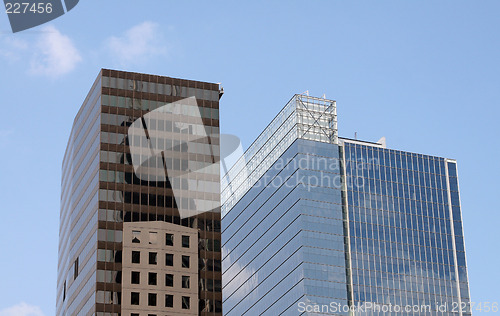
column 185, row 302
column 134, row 314
column 153, row 238
column 185, row 241
column 64, row 291
column 136, row 257
column 152, row 299
column 217, row 286
column 134, row 298
column 152, row 278
column 76, row 269
column 153, row 258
column 136, row 237
column 169, row 239
column 169, row 300
column 135, row 277
column 185, row 261
column 218, row 306
column 169, row 259
column 169, row 280
column 185, row 282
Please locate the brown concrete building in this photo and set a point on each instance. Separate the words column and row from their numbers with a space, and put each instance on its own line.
column 140, row 202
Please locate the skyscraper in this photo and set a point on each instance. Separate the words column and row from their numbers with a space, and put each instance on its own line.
column 140, row 203
column 318, row 224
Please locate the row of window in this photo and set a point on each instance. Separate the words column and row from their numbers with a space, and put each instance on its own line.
column 153, row 238
column 153, row 259
column 374, row 166
column 159, row 88
column 210, row 285
column 178, row 164
column 187, row 184
column 135, row 278
column 152, row 298
column 157, row 200
column 163, row 144
column 201, row 224
column 116, row 236
column 401, row 212
column 395, row 158
column 149, row 105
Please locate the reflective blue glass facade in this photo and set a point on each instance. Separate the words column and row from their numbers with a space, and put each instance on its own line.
column 406, row 237
column 283, row 242
column 342, row 227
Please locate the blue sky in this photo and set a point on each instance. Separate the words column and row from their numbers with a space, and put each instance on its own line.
column 425, row 74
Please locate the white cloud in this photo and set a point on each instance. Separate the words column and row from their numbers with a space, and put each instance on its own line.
column 137, row 44
column 22, row 309
column 55, row 54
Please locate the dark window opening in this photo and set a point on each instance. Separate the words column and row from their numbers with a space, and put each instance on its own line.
column 152, row 278
column 185, row 302
column 135, row 278
column 153, row 258
column 185, row 282
column 169, row 280
column 169, row 259
column 185, row 241
column 169, row 300
column 136, row 257
column 185, row 261
column 134, row 298
column 152, row 299
column 169, row 239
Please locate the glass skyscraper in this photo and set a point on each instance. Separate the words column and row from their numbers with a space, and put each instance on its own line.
column 140, row 204
column 316, row 224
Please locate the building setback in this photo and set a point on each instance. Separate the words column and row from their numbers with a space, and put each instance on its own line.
column 318, row 224
column 140, row 204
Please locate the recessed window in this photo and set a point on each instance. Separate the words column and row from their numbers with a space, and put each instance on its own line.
column 134, row 314
column 185, row 241
column 185, row 282
column 169, row 280
column 135, row 277
column 153, row 238
column 136, row 257
column 153, row 258
column 152, row 278
column 136, row 235
column 134, row 298
column 152, row 299
column 185, row 302
column 169, row 300
column 185, row 261
column 169, row 259
column 169, row 239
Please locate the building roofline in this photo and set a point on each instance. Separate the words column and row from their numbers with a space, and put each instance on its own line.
column 158, row 78
column 363, row 142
